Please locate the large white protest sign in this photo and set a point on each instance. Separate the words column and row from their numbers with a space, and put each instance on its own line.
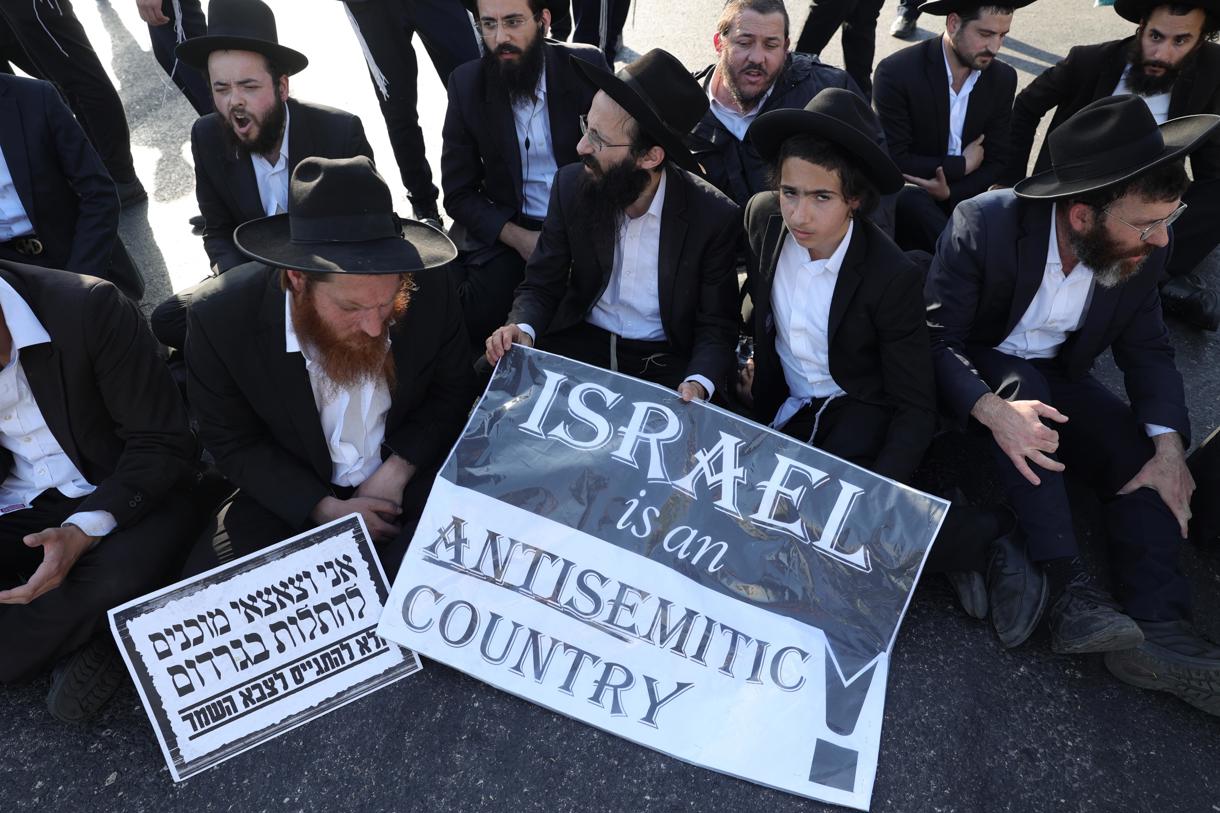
column 240, row 654
column 667, row 572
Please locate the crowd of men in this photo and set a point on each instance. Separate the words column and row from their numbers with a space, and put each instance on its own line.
column 858, row 273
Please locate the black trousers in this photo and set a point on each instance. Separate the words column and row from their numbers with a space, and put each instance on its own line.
column 918, row 220
column 168, row 320
column 192, row 83
column 388, row 28
column 124, row 565
column 485, row 287
column 855, row 431
column 858, row 20
column 58, row 50
column 908, row 9
column 1103, row 444
column 649, row 361
column 1195, row 233
column 587, row 15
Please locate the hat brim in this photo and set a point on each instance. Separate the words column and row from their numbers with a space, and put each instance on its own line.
column 1180, row 136
column 194, row 52
column 943, row 8
column 636, row 107
column 1134, row 11
column 422, row 247
column 770, row 130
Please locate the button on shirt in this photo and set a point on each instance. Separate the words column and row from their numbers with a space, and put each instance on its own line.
column 734, row 121
column 1158, row 103
column 800, row 301
column 14, row 221
column 538, row 166
column 273, row 180
column 39, row 462
column 352, row 418
column 958, row 102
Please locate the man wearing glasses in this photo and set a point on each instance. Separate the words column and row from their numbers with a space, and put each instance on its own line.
column 510, row 125
column 1027, row 288
column 633, row 271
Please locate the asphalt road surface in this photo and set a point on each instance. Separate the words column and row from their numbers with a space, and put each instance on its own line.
column 969, row 726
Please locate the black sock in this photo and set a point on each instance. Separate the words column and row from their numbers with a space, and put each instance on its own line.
column 1061, row 571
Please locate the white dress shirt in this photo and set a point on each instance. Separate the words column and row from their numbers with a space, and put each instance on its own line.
column 800, row 303
column 14, row 221
column 353, row 419
column 958, row 102
column 538, row 166
column 273, row 180
column 1057, row 309
column 1158, row 103
column 39, row 462
column 734, row 121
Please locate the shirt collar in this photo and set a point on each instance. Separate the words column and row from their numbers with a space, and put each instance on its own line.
column 291, row 343
column 1052, row 250
column 23, row 325
column 715, row 78
column 949, row 71
column 282, row 161
column 658, row 200
column 831, row 264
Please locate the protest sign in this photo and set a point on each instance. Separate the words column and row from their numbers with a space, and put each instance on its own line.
column 668, row 572
column 235, row 656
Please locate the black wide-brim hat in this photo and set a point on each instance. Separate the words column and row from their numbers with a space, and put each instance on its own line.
column 840, row 117
column 1136, row 10
column 546, row 5
column 943, row 8
column 660, row 94
column 1110, row 141
column 341, row 221
column 241, row 25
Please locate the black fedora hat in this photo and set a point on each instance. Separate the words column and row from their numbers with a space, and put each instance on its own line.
column 943, row 8
column 473, row 6
column 1111, row 141
column 1136, row 10
column 241, row 25
column 341, row 220
column 840, row 117
column 660, row 94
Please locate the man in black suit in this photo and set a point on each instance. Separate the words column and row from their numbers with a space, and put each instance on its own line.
column 1027, row 288
column 512, row 121
column 945, row 105
column 634, row 268
column 328, row 376
column 95, row 442
column 58, row 205
column 246, row 151
column 1173, row 64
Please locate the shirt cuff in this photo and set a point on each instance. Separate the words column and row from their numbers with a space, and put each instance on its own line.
column 93, row 523
column 529, row 331
column 706, row 384
column 1154, row 429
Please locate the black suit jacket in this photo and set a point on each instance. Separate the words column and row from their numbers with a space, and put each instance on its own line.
column 480, row 160
column 911, row 95
column 1091, row 72
column 103, row 390
column 697, row 286
column 225, row 185
column 256, row 408
column 65, row 190
column 879, row 351
column 988, row 266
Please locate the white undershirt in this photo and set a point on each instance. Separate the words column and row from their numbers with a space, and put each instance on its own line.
column 273, row 180
column 959, row 101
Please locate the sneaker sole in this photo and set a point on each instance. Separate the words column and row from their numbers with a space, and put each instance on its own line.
column 1198, row 687
column 1103, row 641
column 87, row 684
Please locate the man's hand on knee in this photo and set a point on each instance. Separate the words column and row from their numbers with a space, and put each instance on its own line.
column 61, row 547
column 1166, row 473
column 1018, row 430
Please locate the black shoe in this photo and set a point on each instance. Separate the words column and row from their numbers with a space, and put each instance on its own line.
column 198, row 224
column 903, row 27
column 1173, row 658
column 971, row 589
column 131, row 192
column 1084, row 618
column 86, row 680
column 1016, row 590
column 1185, row 297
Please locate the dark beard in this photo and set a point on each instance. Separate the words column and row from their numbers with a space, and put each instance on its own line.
column 271, row 129
column 348, row 362
column 520, row 77
column 970, row 60
column 1095, row 249
column 1141, row 84
column 607, row 195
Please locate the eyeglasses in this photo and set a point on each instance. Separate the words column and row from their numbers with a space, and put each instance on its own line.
column 594, row 138
column 513, row 22
column 1150, row 229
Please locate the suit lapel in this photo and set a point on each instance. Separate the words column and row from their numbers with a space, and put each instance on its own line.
column 1101, row 312
column 673, row 236
column 290, row 382
column 848, row 279
column 41, row 364
column 300, row 136
column 562, row 103
column 504, row 126
column 240, row 173
column 1112, row 68
column 773, row 244
column 12, row 142
column 1032, row 246
column 938, row 86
